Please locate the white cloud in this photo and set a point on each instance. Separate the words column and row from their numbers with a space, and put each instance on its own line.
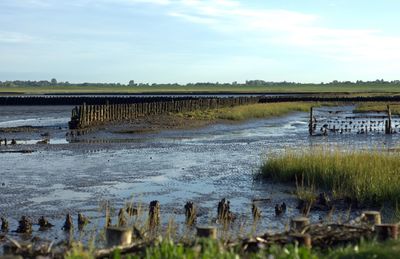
column 284, row 27
column 15, row 37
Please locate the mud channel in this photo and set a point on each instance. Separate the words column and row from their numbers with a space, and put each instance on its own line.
column 201, row 165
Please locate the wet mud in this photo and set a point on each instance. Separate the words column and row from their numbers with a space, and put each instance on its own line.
column 202, row 165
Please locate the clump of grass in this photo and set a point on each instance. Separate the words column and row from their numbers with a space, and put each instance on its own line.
column 377, row 107
column 251, row 111
column 370, row 177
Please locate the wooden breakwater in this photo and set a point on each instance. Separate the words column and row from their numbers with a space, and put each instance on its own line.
column 128, row 99
column 86, row 116
column 322, row 122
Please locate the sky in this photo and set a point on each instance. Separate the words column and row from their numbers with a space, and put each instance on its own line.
column 181, row 41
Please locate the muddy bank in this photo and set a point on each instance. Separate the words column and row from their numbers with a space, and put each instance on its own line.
column 150, row 125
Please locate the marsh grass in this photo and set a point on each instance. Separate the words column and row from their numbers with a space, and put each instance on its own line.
column 251, row 111
column 371, row 177
column 377, row 107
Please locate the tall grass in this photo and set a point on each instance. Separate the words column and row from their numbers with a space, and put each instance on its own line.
column 252, row 111
column 370, row 177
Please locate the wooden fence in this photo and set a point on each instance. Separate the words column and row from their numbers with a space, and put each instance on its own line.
column 86, row 116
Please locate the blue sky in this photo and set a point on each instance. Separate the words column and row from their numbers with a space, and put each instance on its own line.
column 199, row 41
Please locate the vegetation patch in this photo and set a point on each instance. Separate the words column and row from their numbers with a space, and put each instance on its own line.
column 252, row 111
column 369, row 177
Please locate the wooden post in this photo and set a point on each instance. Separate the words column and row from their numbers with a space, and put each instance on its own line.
column 190, row 212
column 310, row 124
column 388, row 125
column 154, row 213
column 118, row 236
column 297, row 224
column 302, row 240
column 371, row 217
column 207, row 232
column 387, row 231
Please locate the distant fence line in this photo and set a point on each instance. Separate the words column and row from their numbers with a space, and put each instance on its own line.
column 86, row 116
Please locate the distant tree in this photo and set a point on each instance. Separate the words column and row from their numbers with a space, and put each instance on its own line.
column 131, row 83
column 53, row 81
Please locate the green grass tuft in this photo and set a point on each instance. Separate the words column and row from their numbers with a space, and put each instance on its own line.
column 370, row 177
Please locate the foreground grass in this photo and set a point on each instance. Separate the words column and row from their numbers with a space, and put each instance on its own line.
column 370, row 177
column 377, row 107
column 252, row 111
column 210, row 249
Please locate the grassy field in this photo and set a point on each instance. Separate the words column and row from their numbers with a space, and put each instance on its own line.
column 252, row 111
column 370, row 177
column 304, row 88
column 377, row 106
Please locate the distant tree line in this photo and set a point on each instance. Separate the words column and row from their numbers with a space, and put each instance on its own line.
column 54, row 83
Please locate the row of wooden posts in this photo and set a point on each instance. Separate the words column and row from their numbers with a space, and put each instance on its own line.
column 86, row 116
column 388, row 121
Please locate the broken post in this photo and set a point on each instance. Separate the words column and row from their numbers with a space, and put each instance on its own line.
column 190, row 212
column 207, row 232
column 387, row 231
column 154, row 213
column 371, row 217
column 118, row 236
column 297, row 224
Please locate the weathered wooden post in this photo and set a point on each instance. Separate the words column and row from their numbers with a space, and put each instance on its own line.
column 68, row 224
column 207, row 232
column 118, row 236
column 154, row 213
column 310, row 124
column 297, row 224
column 388, row 123
column 302, row 240
column 190, row 212
column 387, row 231
column 371, row 217
column 256, row 212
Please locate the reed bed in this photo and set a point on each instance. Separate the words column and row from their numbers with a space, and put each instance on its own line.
column 252, row 111
column 371, row 177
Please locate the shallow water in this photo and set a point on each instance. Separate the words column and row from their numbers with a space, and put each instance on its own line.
column 202, row 165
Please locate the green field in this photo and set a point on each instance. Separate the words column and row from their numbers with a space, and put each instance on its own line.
column 290, row 88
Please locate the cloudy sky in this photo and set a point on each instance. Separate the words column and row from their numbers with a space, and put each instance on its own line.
column 199, row 40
